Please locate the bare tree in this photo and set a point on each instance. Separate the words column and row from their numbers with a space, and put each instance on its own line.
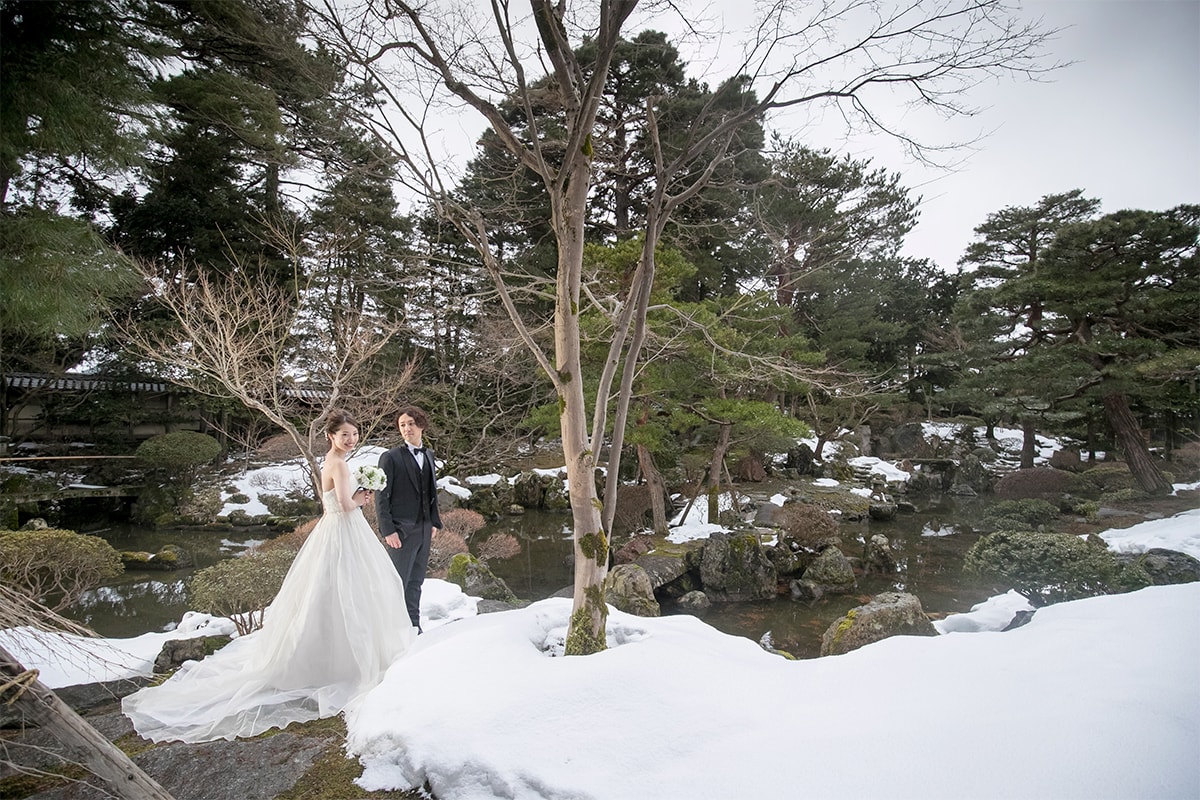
column 235, row 339
column 427, row 56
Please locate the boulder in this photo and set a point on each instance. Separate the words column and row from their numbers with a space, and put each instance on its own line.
column 881, row 510
column 627, row 587
column 877, row 555
column 477, row 580
column 735, row 567
column 176, row 651
column 830, row 573
column 695, row 602
column 888, row 614
column 1165, row 567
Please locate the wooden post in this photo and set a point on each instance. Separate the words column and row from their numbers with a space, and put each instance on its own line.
column 21, row 689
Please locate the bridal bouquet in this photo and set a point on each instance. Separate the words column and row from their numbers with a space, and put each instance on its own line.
column 370, row 478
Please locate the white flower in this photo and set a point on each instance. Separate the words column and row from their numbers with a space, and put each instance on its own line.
column 369, row 477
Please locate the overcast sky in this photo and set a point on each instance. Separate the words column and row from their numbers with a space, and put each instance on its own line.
column 1122, row 122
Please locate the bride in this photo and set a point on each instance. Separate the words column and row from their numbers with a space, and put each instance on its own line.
column 336, row 625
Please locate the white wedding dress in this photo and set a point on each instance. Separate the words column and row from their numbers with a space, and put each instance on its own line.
column 337, row 624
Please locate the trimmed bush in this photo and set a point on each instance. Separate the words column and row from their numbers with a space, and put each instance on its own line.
column 806, row 525
column 1044, row 483
column 462, row 521
column 1111, row 476
column 241, row 588
column 178, row 453
column 56, row 564
column 1045, row 567
column 1019, row 515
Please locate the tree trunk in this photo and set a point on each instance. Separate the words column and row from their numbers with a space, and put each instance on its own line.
column 656, row 487
column 1133, row 446
column 94, row 752
column 1028, row 442
column 589, row 612
column 715, row 469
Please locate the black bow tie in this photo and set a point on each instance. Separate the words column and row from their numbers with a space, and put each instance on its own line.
column 415, row 450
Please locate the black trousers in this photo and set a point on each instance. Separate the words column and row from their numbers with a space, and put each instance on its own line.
column 411, row 561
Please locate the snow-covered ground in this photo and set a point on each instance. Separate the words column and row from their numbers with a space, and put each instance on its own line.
column 1092, row 699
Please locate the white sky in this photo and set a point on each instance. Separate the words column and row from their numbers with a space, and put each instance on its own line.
column 1122, row 122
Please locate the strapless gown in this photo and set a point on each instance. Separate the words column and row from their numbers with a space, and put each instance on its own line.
column 337, row 624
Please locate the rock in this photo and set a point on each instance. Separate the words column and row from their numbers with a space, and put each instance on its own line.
column 1022, row 617
column 169, row 557
column 735, row 567
column 830, row 573
column 805, row 590
column 35, row 524
column 627, row 587
column 888, row 614
column 663, row 567
column 634, row 549
column 176, row 651
column 695, row 602
column 786, row 560
column 881, row 510
column 477, row 580
column 1169, row 566
column 764, row 515
column 877, row 555
column 244, row 769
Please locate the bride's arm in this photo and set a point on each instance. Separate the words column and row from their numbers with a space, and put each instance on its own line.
column 344, row 487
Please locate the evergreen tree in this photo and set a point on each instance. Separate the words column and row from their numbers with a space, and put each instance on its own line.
column 1068, row 312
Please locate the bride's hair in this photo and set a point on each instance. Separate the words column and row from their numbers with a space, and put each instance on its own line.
column 337, row 418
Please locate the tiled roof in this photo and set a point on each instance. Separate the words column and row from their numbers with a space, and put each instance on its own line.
column 27, row 380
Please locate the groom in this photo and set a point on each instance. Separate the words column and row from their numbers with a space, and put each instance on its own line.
column 408, row 507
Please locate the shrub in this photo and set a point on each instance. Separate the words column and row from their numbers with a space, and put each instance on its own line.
column 1045, row 567
column 462, row 521
column 296, row 503
column 1186, row 461
column 806, row 525
column 291, row 541
column 201, row 508
column 499, row 546
column 178, row 453
column 1111, row 476
column 1044, row 483
column 1118, row 496
column 1019, row 515
column 444, row 546
column 56, row 563
column 241, row 588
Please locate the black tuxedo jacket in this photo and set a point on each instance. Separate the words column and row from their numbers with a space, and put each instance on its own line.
column 408, row 505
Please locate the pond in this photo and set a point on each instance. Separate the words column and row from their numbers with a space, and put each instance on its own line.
column 928, row 546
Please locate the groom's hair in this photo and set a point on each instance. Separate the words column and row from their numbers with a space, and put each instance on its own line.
column 417, row 413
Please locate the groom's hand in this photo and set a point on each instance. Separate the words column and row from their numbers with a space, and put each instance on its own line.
column 392, row 540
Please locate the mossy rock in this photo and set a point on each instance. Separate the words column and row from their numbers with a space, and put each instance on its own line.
column 477, row 579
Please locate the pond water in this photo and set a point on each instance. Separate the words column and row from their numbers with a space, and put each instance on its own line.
column 928, row 546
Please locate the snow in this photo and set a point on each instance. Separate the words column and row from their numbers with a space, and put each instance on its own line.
column 1093, row 699
column 890, row 472
column 292, row 475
